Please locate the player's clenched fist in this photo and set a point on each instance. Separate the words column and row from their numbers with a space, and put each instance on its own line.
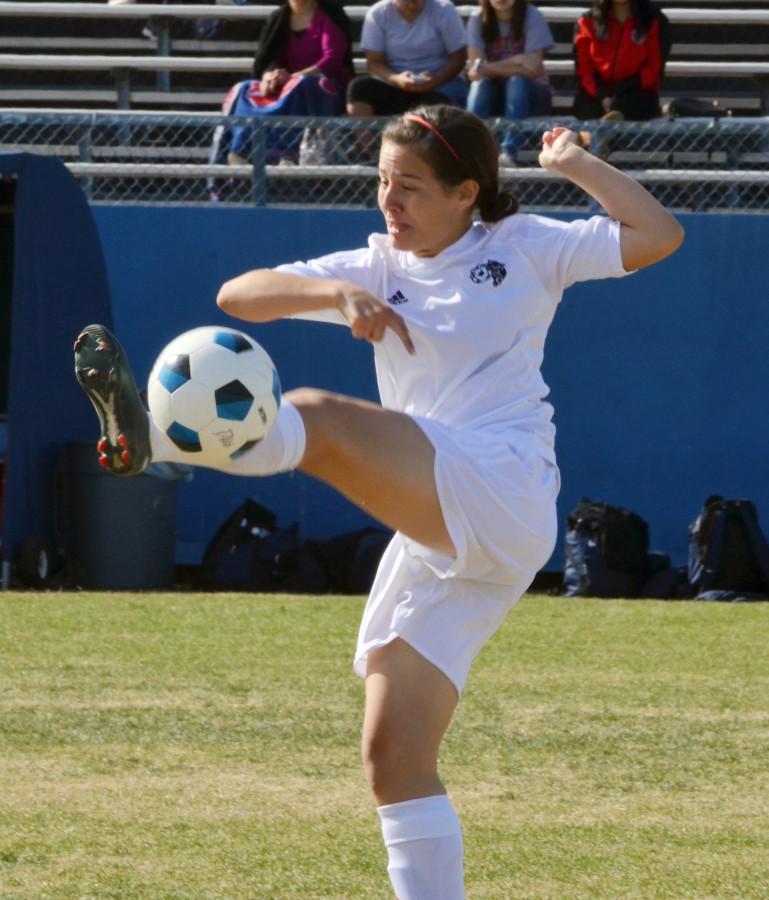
column 554, row 144
column 370, row 317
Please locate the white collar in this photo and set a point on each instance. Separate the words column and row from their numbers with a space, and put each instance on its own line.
column 410, row 264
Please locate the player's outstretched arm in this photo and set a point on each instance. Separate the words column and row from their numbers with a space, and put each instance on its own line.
column 649, row 233
column 264, row 295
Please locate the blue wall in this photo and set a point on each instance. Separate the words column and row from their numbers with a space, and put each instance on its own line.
column 659, row 380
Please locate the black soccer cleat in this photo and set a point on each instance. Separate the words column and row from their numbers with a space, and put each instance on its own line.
column 103, row 372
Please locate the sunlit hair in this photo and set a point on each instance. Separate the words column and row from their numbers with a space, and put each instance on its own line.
column 490, row 23
column 477, row 154
column 643, row 12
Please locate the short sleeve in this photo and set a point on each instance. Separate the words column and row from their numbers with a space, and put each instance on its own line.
column 372, row 36
column 350, row 265
column 538, row 35
column 452, row 28
column 590, row 248
column 566, row 252
column 474, row 33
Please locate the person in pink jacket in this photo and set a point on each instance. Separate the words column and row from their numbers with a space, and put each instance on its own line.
column 301, row 68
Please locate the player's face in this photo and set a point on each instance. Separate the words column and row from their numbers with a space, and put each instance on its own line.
column 421, row 213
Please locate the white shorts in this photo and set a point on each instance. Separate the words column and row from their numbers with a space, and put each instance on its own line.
column 497, row 494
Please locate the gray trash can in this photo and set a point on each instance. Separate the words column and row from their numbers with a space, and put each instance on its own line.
column 119, row 533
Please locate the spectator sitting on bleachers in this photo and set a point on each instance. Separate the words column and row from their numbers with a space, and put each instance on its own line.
column 620, row 48
column 415, row 50
column 303, row 65
column 506, row 43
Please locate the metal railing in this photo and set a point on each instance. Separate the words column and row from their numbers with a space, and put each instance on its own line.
column 688, row 164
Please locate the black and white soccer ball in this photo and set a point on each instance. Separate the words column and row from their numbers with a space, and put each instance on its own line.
column 215, row 393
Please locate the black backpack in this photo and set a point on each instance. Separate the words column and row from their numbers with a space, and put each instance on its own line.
column 250, row 553
column 607, row 550
column 351, row 560
column 728, row 554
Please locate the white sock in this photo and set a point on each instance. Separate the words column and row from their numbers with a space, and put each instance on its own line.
column 425, row 849
column 282, row 449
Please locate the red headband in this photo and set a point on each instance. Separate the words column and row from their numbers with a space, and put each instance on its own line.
column 412, row 118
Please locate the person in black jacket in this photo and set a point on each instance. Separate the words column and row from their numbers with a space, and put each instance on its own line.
column 301, row 68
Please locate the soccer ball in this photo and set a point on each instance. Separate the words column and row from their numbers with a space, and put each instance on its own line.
column 215, row 393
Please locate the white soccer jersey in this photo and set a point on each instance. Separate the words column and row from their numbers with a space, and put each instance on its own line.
column 478, row 314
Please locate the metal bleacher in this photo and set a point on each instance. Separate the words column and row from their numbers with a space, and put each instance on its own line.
column 128, row 95
column 147, row 56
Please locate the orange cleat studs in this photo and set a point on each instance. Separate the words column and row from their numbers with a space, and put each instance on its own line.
column 126, row 457
column 102, row 445
column 122, row 441
column 104, row 461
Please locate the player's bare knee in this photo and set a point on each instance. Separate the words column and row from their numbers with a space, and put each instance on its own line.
column 323, row 416
column 307, row 397
column 313, row 405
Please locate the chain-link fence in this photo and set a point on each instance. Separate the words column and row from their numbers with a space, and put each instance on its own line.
column 694, row 164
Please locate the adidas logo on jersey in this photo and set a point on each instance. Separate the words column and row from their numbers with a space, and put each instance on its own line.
column 491, row 269
column 397, row 298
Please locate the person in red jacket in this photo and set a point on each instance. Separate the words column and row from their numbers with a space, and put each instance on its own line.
column 619, row 49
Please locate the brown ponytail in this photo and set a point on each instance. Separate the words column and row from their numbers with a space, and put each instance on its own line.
column 494, row 207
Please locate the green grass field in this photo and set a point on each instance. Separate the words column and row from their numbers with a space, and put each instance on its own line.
column 206, row 746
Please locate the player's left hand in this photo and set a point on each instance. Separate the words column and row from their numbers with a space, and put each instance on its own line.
column 554, row 144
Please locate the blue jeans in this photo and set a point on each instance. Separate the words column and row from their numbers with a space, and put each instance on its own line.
column 302, row 95
column 455, row 90
column 513, row 98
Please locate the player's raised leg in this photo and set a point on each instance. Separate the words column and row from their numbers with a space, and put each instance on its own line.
column 379, row 459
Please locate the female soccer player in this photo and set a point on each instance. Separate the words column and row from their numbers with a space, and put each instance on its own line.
column 458, row 458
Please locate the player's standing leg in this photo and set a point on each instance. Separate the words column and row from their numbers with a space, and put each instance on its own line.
column 409, row 704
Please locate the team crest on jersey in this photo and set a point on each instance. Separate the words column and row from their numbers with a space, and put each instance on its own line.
column 491, row 269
